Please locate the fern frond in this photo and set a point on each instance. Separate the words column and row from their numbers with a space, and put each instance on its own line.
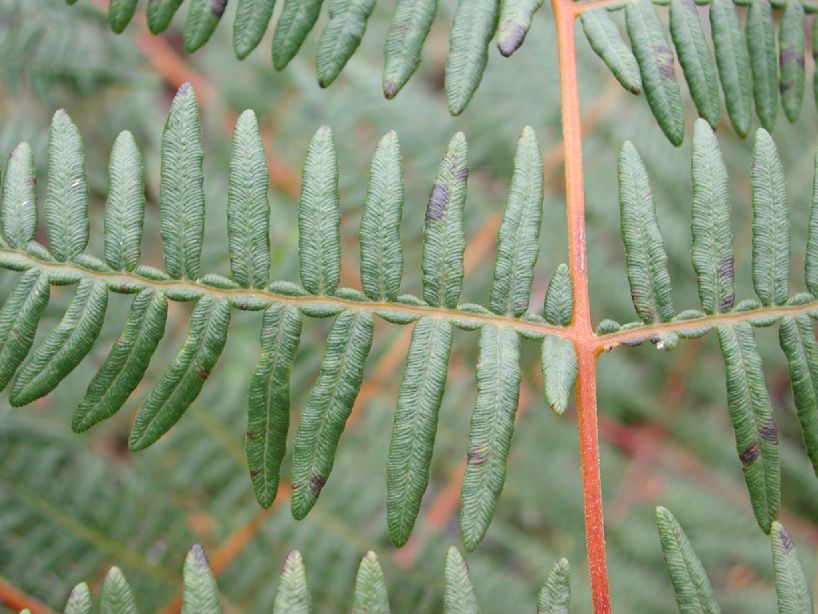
column 747, row 63
column 370, row 588
column 791, row 585
column 459, row 597
column 501, row 323
column 201, row 595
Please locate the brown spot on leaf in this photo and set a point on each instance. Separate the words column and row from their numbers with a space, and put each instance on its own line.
column 200, row 556
column 316, row 484
column 390, row 89
column 217, row 7
column 438, row 202
column 786, row 540
column 750, row 454
column 769, row 432
column 514, row 35
column 253, row 473
column 203, row 373
column 476, row 458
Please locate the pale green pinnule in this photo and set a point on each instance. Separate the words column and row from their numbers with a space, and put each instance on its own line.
column 125, row 207
column 324, row 416
column 249, row 25
column 248, row 209
column 515, row 21
column 319, row 217
column 293, row 594
column 202, row 19
column 656, row 64
column 370, row 588
column 381, row 249
column 492, row 426
column 763, row 61
column 341, row 37
column 555, row 595
column 791, row 584
column 408, row 30
column 606, row 41
column 268, row 417
column 474, row 24
column 732, row 62
column 200, row 593
column 519, row 233
column 294, row 23
column 694, row 594
column 18, row 211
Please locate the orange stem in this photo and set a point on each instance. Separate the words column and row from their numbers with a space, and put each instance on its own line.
column 12, row 597
column 565, row 13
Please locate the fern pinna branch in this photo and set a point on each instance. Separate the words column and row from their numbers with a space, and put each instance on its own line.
column 569, row 345
column 753, row 70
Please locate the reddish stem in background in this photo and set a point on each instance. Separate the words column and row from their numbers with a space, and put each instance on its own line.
column 565, row 12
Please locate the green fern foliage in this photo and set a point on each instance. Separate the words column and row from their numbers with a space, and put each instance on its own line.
column 324, row 415
column 692, row 586
column 293, row 596
column 749, row 65
column 200, row 592
column 749, row 403
column 475, row 24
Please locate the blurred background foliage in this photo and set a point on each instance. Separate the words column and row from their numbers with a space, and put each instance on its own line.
column 71, row 506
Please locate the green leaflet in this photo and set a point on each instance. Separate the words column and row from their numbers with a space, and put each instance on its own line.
column 295, row 22
column 519, row 233
column 694, row 595
column 459, row 597
column 319, row 216
column 492, row 425
column 791, row 585
column 763, row 61
column 268, row 415
column 202, row 19
column 771, row 224
column 252, row 18
column 408, row 30
column 791, row 49
column 341, row 37
column 559, row 298
column 443, row 238
column 120, row 13
column 293, row 595
column 200, row 595
column 645, row 254
column 474, row 25
column 559, row 370
column 381, row 250
column 64, row 347
column 811, row 256
column 160, row 13
column 655, row 58
column 327, row 409
column 797, row 339
column 603, row 35
column 248, row 210
column 18, row 212
column 79, row 602
column 753, row 422
column 117, row 596
column 19, row 318
column 712, row 250
column 125, row 207
column 555, row 596
column 181, row 189
column 515, row 21
column 66, row 197
column 814, row 47
column 694, row 56
column 413, row 433
column 370, row 588
column 732, row 62
column 182, row 381
column 127, row 362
